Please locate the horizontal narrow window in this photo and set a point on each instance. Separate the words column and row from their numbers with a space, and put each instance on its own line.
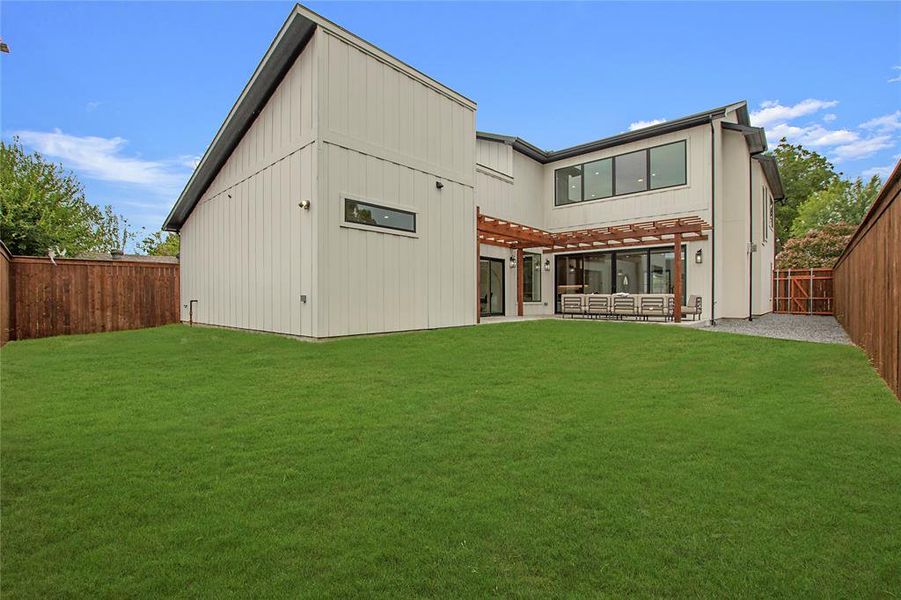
column 363, row 213
column 632, row 172
column 599, row 179
column 667, row 165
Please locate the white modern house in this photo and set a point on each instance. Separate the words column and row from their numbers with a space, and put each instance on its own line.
column 348, row 193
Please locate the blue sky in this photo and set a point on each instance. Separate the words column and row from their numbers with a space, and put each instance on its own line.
column 128, row 95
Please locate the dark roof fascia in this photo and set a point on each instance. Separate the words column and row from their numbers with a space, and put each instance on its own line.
column 292, row 38
column 771, row 172
column 688, row 122
column 754, row 136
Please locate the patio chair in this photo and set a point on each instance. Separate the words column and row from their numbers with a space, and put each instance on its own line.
column 693, row 308
column 652, row 306
column 598, row 306
column 623, row 306
column 572, row 305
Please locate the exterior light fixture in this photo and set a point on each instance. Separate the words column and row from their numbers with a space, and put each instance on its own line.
column 699, row 257
column 439, row 185
column 547, row 264
column 512, row 262
column 304, row 204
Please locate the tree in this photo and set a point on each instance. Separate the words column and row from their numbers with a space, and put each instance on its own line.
column 157, row 245
column 816, row 248
column 803, row 173
column 43, row 207
column 842, row 202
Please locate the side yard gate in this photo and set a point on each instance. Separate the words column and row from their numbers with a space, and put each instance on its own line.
column 803, row 291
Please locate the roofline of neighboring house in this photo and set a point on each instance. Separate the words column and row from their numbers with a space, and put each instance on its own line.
column 755, row 137
column 290, row 41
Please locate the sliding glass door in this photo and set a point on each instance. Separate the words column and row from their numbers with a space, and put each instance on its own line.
column 491, row 286
column 630, row 271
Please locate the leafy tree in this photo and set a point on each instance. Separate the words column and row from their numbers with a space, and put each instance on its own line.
column 43, row 206
column 842, row 202
column 157, row 245
column 803, row 172
column 816, row 248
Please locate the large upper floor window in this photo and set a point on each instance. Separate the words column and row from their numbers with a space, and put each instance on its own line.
column 650, row 169
column 363, row 213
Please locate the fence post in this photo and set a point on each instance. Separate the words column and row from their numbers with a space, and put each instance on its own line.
column 788, row 284
column 810, row 294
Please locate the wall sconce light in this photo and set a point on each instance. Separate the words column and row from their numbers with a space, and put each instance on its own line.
column 699, row 257
column 547, row 264
column 304, row 204
column 439, row 185
column 512, row 262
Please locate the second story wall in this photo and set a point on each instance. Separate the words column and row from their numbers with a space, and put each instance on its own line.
column 692, row 198
column 374, row 104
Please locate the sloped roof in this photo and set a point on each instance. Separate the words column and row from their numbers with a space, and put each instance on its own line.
column 290, row 41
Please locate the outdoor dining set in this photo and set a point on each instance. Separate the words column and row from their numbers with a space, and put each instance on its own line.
column 617, row 306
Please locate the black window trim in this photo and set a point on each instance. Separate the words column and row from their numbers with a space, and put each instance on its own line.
column 536, row 257
column 377, row 225
column 647, row 151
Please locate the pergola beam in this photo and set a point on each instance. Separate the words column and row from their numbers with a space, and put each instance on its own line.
column 515, row 236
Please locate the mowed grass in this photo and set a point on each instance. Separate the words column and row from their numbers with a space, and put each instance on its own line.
column 524, row 459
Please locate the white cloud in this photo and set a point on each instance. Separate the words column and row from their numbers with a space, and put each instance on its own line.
column 92, row 106
column 885, row 123
column 771, row 112
column 862, row 148
column 829, row 117
column 882, row 172
column 104, row 159
column 896, row 78
column 643, row 124
column 814, row 135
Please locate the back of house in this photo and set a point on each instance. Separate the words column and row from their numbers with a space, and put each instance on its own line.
column 348, row 193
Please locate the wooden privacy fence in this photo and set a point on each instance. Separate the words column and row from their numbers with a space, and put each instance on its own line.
column 868, row 283
column 86, row 296
column 803, row 291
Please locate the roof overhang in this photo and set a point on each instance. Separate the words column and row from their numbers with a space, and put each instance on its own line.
column 544, row 156
column 292, row 38
column 771, row 172
column 290, row 41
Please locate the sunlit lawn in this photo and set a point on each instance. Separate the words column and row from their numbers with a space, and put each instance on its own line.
column 540, row 458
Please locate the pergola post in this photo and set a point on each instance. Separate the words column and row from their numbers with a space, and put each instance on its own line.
column 519, row 281
column 677, row 273
column 478, row 270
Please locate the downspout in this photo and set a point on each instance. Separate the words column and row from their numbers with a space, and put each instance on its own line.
column 750, row 238
column 712, row 222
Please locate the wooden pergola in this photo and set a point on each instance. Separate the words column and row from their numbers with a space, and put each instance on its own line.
column 493, row 231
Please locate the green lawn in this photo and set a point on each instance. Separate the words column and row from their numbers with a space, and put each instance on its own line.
column 526, row 459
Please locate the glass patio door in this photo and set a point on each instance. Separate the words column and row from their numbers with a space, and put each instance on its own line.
column 491, row 286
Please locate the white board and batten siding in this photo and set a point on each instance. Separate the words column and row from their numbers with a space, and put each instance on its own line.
column 247, row 251
column 388, row 135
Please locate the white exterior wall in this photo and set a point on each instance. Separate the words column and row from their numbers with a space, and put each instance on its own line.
column 247, row 248
column 388, row 135
column 527, row 196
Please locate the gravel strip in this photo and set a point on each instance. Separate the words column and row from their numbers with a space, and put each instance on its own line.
column 804, row 328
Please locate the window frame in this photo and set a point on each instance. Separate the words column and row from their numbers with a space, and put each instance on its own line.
column 377, row 228
column 533, row 256
column 613, row 157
